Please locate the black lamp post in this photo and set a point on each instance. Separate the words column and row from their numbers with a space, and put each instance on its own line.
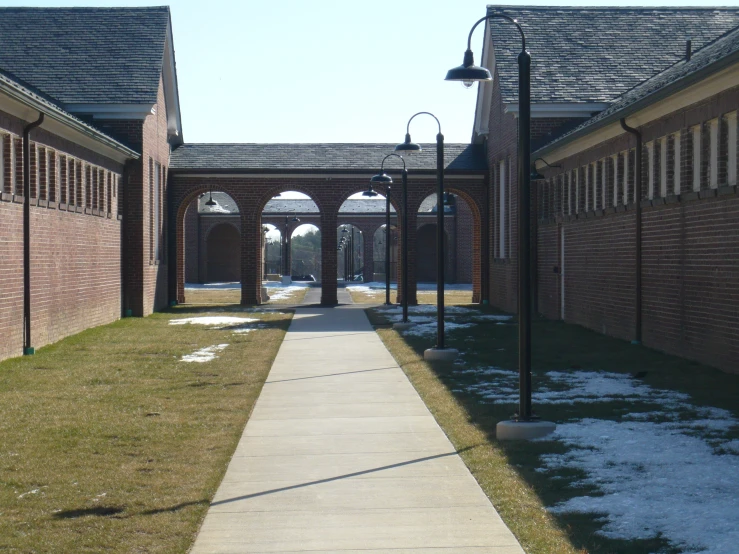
column 468, row 73
column 384, row 178
column 411, row 148
column 286, row 260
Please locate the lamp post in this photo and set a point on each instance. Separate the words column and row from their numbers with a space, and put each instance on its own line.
column 524, row 424
column 286, row 257
column 384, row 178
column 439, row 352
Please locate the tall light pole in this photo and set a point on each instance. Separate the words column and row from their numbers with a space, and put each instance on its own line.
column 385, row 179
column 440, row 351
column 286, row 258
column 524, row 424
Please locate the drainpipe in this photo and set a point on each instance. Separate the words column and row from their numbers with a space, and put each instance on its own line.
column 27, row 348
column 638, row 186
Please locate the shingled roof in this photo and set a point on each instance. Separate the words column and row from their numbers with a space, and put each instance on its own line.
column 593, row 55
column 710, row 59
column 86, row 55
column 281, row 158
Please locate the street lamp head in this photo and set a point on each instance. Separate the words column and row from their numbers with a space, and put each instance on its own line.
column 381, row 178
column 369, row 192
column 210, row 201
column 408, row 148
column 468, row 73
column 535, row 175
column 295, row 220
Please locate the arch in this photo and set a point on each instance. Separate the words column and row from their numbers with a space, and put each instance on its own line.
column 394, row 202
column 279, row 189
column 472, row 241
column 378, row 247
column 223, row 253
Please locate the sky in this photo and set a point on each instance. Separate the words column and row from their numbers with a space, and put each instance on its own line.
column 323, row 70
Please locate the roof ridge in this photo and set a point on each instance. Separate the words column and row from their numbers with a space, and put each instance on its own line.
column 614, row 7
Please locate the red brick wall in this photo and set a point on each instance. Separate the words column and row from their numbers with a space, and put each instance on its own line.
column 75, row 252
column 690, row 245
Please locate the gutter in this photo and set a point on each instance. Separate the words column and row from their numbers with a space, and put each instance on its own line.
column 27, row 348
column 656, row 96
column 67, row 119
column 637, row 203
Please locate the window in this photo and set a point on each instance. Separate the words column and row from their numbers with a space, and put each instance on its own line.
column 586, row 171
column 502, row 216
column 625, row 156
column 663, row 167
column 650, row 170
column 568, row 208
column 696, row 157
column 109, row 207
column 603, row 182
column 53, row 165
column 731, row 149
column 676, row 161
column 713, row 168
column 614, row 161
column 3, row 181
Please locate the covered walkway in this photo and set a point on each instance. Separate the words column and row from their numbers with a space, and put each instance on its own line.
column 342, row 455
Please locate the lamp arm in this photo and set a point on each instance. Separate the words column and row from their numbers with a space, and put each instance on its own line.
column 408, row 127
column 503, row 16
column 546, row 163
column 469, row 38
column 382, row 165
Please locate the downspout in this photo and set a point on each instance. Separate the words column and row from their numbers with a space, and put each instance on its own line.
column 638, row 194
column 27, row 348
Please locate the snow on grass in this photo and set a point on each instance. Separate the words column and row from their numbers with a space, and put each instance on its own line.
column 429, row 329
column 213, row 286
column 220, row 321
column 284, row 293
column 375, row 285
column 206, row 354
column 670, row 470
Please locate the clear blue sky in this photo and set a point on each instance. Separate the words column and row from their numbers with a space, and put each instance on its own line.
column 323, row 70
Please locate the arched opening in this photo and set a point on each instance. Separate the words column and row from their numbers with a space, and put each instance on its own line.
column 210, row 228
column 364, row 211
column 305, row 253
column 292, row 218
column 223, row 254
column 379, row 248
column 426, row 247
column 350, row 266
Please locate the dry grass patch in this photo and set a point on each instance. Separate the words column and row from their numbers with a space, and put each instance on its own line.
column 377, row 296
column 517, row 502
column 110, row 443
column 233, row 296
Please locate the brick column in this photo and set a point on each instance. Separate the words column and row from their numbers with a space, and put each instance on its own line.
column 251, row 256
column 329, row 223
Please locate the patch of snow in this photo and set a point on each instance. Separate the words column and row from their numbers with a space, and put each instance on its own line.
column 429, row 329
column 206, row 354
column 284, row 293
column 657, row 473
column 279, row 285
column 212, row 320
column 34, row 491
column 375, row 285
column 213, row 286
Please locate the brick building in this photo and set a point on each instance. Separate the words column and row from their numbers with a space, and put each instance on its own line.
column 105, row 83
column 657, row 267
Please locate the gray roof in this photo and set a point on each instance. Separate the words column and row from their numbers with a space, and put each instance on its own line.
column 596, row 54
column 225, row 205
column 36, row 99
column 710, row 59
column 86, row 55
column 280, row 158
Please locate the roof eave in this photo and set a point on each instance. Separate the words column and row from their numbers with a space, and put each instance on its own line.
column 656, row 96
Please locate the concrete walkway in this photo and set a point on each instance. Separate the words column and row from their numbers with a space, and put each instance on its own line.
column 341, row 455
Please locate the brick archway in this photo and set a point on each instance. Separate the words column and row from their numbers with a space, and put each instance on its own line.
column 328, row 174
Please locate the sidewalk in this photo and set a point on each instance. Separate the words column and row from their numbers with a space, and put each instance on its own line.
column 341, row 455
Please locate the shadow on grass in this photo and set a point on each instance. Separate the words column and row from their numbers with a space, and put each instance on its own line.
column 557, row 346
column 98, row 511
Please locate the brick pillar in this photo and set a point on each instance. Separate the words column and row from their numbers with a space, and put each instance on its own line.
column 251, row 265
column 329, row 223
column 369, row 255
column 412, row 234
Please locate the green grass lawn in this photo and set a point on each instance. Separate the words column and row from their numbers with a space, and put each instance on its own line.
column 510, row 472
column 110, row 443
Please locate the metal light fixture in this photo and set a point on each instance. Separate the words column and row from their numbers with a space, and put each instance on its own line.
column 369, row 192
column 210, row 201
column 535, row 175
column 439, row 351
column 524, row 424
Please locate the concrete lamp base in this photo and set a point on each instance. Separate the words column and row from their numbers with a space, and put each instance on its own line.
column 440, row 354
column 523, row 430
column 400, row 326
